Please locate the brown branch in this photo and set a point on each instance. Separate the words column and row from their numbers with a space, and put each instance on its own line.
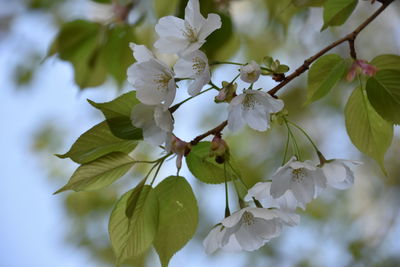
column 214, row 131
column 303, row 68
column 348, row 38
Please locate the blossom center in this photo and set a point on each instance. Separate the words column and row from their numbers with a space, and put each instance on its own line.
column 198, row 65
column 249, row 101
column 190, row 33
column 298, row 175
column 162, row 81
column 248, row 218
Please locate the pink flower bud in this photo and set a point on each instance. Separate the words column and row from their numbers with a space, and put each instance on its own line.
column 180, row 148
column 227, row 93
column 360, row 66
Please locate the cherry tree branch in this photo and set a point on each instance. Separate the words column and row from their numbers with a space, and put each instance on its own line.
column 350, row 38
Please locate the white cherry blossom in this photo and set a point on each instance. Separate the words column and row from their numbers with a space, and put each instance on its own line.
column 250, row 72
column 254, row 108
column 248, row 229
column 185, row 36
column 338, row 173
column 261, row 191
column 153, row 80
column 301, row 178
column 193, row 65
column 155, row 121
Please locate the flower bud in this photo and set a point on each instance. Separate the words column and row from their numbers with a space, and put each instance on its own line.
column 250, row 72
column 180, row 148
column 360, row 66
column 227, row 93
column 219, row 149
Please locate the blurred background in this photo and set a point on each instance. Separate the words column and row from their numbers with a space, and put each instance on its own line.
column 43, row 109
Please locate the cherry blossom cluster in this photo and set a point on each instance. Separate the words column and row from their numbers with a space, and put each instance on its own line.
column 292, row 186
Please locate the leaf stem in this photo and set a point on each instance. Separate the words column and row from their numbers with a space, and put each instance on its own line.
column 227, row 210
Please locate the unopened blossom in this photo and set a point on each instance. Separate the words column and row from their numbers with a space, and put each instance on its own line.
column 301, row 178
column 155, row 121
column 195, row 66
column 227, row 92
column 360, row 66
column 248, row 229
column 219, row 149
column 338, row 173
column 153, row 79
column 261, row 191
column 185, row 36
column 253, row 107
column 179, row 147
column 250, row 72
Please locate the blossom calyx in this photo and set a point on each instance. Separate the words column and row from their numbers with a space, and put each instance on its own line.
column 227, row 93
column 219, row 149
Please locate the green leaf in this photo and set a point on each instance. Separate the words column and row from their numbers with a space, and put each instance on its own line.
column 368, row 131
column 118, row 115
column 336, row 12
column 80, row 42
column 99, row 173
column 178, row 217
column 386, row 62
column 164, row 8
column 204, row 167
column 383, row 92
column 308, row 3
column 324, row 74
column 97, row 142
column 117, row 53
column 131, row 237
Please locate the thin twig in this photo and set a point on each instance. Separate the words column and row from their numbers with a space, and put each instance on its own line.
column 348, row 38
column 303, row 68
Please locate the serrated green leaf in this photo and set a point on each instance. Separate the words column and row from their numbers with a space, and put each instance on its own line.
column 308, row 3
column 383, row 92
column 204, row 167
column 178, row 217
column 118, row 116
column 97, row 142
column 131, row 237
column 324, row 74
column 368, row 131
column 336, row 12
column 386, row 62
column 99, row 173
column 117, row 53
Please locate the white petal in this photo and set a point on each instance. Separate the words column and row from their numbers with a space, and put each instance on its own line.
column 232, row 220
column 281, row 182
column 163, row 119
column 170, row 26
column 303, row 190
column 274, row 105
column 248, row 240
column 266, row 229
column 212, row 23
column 141, row 53
column 213, row 240
column 318, row 177
column 338, row 175
column 256, row 118
column 192, row 13
column 235, row 119
column 232, row 245
column 259, row 191
column 263, row 213
column 290, row 218
column 154, row 135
